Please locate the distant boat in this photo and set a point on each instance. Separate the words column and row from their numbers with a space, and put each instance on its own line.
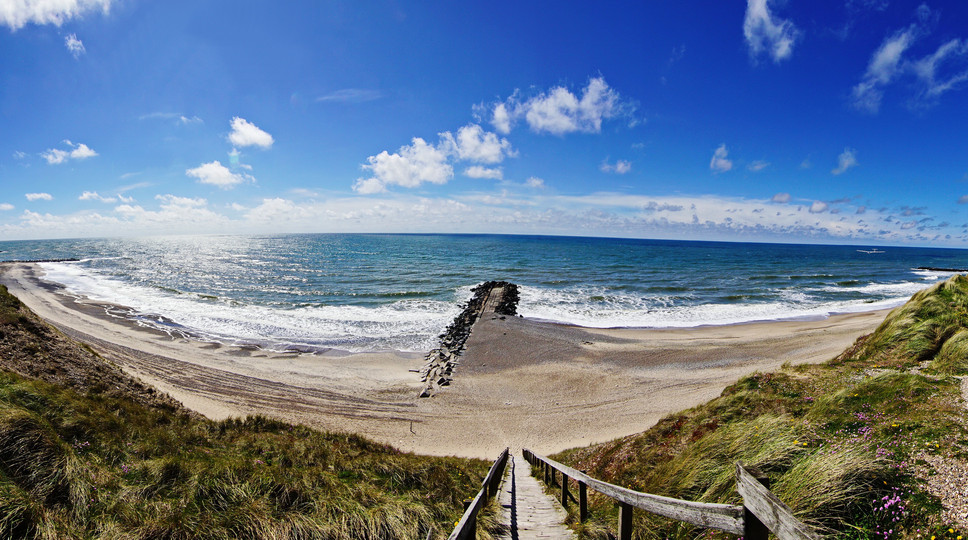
column 869, row 251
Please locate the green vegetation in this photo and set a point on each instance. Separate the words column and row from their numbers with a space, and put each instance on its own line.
column 843, row 443
column 79, row 461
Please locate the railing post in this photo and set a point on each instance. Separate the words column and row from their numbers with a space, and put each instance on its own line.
column 753, row 528
column 547, row 473
column 582, row 500
column 564, row 491
column 624, row 521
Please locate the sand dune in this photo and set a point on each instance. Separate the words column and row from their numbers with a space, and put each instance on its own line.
column 520, row 383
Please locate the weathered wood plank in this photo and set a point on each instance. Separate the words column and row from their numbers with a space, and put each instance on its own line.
column 724, row 517
column 769, row 509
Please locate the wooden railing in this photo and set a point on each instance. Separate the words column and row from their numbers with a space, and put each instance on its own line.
column 467, row 525
column 761, row 512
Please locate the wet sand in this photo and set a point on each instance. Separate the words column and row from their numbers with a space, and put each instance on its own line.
column 521, row 383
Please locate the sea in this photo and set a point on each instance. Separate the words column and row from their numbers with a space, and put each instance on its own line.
column 377, row 292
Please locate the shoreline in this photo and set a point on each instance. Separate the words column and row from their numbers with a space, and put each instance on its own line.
column 169, row 326
column 520, row 382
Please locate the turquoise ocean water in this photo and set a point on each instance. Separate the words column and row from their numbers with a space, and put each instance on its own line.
column 378, row 292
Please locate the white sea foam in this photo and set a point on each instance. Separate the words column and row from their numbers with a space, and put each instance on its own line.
column 575, row 307
column 407, row 325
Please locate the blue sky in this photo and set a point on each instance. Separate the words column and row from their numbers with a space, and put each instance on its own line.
column 778, row 121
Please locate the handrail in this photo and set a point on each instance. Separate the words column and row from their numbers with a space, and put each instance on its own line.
column 761, row 511
column 724, row 517
column 466, row 527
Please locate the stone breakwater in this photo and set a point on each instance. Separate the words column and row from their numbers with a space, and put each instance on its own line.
column 500, row 297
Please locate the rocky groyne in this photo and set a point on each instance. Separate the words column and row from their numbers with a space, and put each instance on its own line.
column 500, row 297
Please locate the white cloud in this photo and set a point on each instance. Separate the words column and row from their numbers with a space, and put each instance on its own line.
column 845, row 160
column 39, row 196
column 216, row 174
column 351, row 95
column 474, row 144
column 620, row 167
column 409, row 167
column 94, row 196
column 818, row 207
column 534, row 182
column 782, row 198
column 6, row 207
column 508, row 208
column 19, row 155
column 178, row 118
column 245, row 133
column 56, row 156
column 884, row 66
column 931, row 70
column 82, row 152
column 758, row 165
column 559, row 111
column 74, row 45
column 766, row 33
column 477, row 171
column 501, row 120
column 720, row 163
column 934, row 74
column 17, row 13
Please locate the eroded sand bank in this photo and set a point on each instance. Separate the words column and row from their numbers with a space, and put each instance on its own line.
column 521, row 383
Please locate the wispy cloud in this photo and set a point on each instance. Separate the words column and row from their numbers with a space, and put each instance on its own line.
column 177, row 118
column 621, row 166
column 766, row 33
column 534, row 182
column 885, row 65
column 758, row 165
column 934, row 74
column 74, row 45
column 18, row 13
column 94, row 196
column 846, row 160
column 477, row 171
column 351, row 95
column 720, row 161
column 39, row 196
column 781, row 198
column 941, row 71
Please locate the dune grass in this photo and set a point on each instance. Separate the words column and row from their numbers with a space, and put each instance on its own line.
column 839, row 441
column 86, row 466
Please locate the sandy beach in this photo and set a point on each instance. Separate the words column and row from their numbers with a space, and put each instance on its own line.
column 521, row 383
